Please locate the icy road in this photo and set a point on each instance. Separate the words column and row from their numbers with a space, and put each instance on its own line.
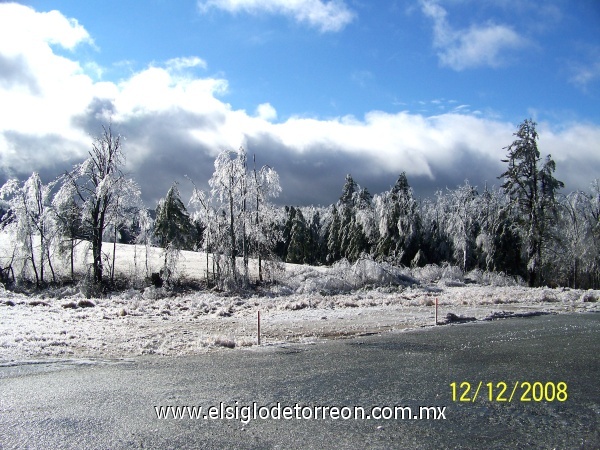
column 56, row 404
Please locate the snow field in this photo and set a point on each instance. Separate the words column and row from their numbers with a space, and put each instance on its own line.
column 305, row 305
column 142, row 322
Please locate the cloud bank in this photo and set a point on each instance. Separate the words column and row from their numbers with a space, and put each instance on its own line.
column 175, row 122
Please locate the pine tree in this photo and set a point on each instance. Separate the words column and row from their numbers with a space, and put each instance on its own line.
column 532, row 190
column 173, row 228
column 400, row 224
column 298, row 249
column 333, row 237
column 350, row 187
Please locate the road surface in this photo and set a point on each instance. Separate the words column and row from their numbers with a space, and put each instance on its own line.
column 111, row 403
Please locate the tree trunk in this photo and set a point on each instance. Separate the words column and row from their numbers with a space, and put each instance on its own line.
column 232, row 232
column 37, row 280
column 112, row 269
column 42, row 255
column 50, row 265
column 72, row 259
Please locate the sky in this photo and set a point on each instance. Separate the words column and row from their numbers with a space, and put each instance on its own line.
column 315, row 89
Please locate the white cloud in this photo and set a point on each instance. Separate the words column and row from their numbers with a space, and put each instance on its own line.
column 327, row 16
column 266, row 112
column 477, row 46
column 587, row 70
column 186, row 63
column 22, row 26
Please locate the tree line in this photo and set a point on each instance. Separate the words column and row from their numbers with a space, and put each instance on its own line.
column 524, row 228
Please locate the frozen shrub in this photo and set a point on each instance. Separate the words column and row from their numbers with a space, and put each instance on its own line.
column 225, row 312
column 589, row 297
column 89, row 289
column 223, row 342
column 453, row 273
column 428, row 274
column 451, row 283
column 295, row 306
column 549, row 297
column 487, row 278
column 369, row 272
column 152, row 293
column 85, row 304
column 428, row 302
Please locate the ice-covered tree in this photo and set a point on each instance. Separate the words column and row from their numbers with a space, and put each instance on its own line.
column 30, row 218
column 437, row 245
column 399, row 222
column 122, row 217
column 350, row 188
column 229, row 189
column 333, row 237
column 577, row 257
column 355, row 217
column 205, row 214
column 68, row 222
column 299, row 249
column 263, row 186
column 100, row 187
column 144, row 236
column 460, row 210
column 531, row 187
column 173, row 228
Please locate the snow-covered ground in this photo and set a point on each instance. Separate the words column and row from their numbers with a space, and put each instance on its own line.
column 308, row 304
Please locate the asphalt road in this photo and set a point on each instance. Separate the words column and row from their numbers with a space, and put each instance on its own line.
column 110, row 404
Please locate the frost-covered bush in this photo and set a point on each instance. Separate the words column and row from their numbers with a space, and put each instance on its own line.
column 344, row 277
column 369, row 272
column 433, row 273
column 488, row 278
column 324, row 284
column 589, row 297
column 224, row 342
column 153, row 293
column 88, row 288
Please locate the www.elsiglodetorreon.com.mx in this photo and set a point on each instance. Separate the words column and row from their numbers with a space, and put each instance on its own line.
column 277, row 411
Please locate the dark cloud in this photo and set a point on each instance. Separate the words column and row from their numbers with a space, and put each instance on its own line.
column 94, row 115
column 160, row 150
column 16, row 72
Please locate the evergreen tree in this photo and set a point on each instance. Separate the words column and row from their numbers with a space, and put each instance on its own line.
column 299, row 251
column 173, row 226
column 532, row 190
column 174, row 230
column 333, row 237
column 317, row 255
column 400, row 224
column 350, row 187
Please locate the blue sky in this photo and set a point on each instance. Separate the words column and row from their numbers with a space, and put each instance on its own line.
column 315, row 88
